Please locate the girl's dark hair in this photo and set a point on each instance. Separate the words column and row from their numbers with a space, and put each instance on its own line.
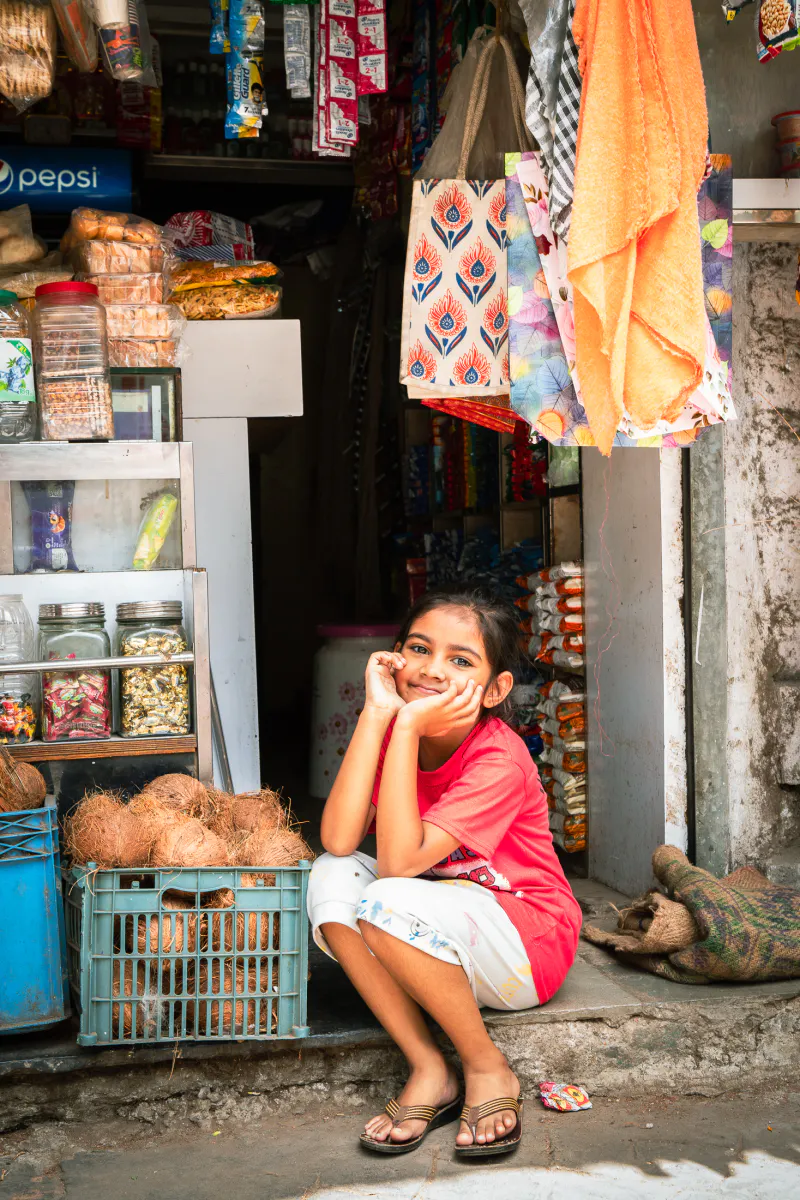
column 497, row 621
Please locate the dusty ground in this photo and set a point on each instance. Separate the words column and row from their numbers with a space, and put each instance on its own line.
column 745, row 1146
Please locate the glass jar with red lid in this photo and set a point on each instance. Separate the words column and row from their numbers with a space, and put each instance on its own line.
column 71, row 350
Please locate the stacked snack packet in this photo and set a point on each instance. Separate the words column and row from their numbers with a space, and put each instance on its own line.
column 554, row 602
column 124, row 257
column 554, row 634
column 562, row 720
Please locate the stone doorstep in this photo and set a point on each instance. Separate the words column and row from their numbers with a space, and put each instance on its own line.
column 610, row 1027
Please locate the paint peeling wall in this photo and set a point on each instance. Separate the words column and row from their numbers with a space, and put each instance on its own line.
column 762, row 560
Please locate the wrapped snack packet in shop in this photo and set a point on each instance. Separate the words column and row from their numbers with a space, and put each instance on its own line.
column 245, row 85
column 203, row 229
column 78, row 33
column 153, row 531
column 219, row 42
column 213, row 292
column 27, row 51
column 297, row 50
column 18, row 244
column 50, row 505
column 94, row 224
column 246, row 26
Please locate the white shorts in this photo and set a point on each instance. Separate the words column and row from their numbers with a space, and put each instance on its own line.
column 455, row 920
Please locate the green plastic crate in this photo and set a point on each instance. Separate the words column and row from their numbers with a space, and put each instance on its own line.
column 142, row 971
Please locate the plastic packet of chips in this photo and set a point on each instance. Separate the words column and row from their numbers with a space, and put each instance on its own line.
column 564, row 1097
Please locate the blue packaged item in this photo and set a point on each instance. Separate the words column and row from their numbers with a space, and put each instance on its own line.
column 219, row 42
column 246, row 26
column 50, row 503
column 246, row 107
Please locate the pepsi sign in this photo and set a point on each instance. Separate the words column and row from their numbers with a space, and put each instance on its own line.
column 58, row 179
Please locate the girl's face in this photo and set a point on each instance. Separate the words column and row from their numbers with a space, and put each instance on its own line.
column 445, row 645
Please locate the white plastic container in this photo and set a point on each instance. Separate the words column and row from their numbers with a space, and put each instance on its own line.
column 339, row 668
column 19, row 694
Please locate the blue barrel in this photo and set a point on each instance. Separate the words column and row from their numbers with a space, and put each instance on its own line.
column 32, row 940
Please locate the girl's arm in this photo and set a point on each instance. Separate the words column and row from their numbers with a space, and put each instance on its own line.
column 349, row 810
column 407, row 845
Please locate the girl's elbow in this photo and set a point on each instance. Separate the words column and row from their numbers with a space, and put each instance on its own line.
column 391, row 869
column 337, row 845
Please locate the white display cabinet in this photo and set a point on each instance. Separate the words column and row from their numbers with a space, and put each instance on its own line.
column 111, row 485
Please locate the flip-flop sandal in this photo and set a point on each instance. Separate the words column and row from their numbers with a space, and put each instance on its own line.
column 504, row 1145
column 436, row 1117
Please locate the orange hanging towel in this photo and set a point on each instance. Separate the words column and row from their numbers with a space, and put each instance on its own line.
column 634, row 251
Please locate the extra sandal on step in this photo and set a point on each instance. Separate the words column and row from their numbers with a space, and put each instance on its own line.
column 500, row 1145
column 436, row 1117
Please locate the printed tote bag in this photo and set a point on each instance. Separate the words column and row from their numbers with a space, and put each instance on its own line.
column 455, row 305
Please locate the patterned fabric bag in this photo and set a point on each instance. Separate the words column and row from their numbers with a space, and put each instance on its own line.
column 455, row 316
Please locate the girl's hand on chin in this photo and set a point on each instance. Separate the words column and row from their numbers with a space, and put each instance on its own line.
column 435, row 716
column 382, row 695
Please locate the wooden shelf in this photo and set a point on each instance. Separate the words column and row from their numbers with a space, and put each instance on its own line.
column 194, row 169
column 524, row 505
column 114, row 747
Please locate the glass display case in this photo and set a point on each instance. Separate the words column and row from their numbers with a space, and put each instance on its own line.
column 115, row 507
column 128, row 510
column 147, row 404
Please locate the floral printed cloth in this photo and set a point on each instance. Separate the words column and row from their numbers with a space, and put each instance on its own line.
column 545, row 390
column 455, row 316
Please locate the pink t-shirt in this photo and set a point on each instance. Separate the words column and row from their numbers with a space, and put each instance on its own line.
column 489, row 796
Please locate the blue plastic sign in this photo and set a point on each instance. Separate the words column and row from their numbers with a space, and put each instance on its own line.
column 58, row 179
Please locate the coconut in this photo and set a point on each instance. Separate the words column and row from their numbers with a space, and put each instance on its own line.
column 237, row 1017
column 178, row 933
column 253, row 809
column 182, row 793
column 145, row 1003
column 273, row 846
column 103, row 830
column 218, row 817
column 186, row 842
column 21, row 785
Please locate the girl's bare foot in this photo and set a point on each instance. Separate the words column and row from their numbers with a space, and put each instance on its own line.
column 434, row 1083
column 481, row 1088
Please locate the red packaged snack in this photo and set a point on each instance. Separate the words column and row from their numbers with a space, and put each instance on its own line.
column 342, row 72
column 372, row 60
column 204, row 228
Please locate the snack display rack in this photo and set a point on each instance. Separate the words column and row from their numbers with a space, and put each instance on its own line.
column 116, row 478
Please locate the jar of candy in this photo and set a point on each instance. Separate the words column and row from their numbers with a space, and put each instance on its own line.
column 76, row 704
column 18, row 693
column 73, row 381
column 17, row 392
column 153, row 700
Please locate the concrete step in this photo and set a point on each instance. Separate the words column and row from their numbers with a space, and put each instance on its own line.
column 615, row 1029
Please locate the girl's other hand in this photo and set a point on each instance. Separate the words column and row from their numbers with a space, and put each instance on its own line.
column 452, row 709
column 382, row 694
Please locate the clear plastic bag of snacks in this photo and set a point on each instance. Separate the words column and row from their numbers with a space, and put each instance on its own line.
column 213, row 292
column 18, row 244
column 116, row 258
column 27, row 51
column 94, row 224
column 144, row 321
column 129, row 289
column 142, row 352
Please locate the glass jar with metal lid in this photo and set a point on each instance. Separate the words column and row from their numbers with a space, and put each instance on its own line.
column 154, row 701
column 76, row 704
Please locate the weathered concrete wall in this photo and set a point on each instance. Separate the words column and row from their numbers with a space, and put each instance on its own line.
column 743, row 95
column 762, row 551
column 746, row 525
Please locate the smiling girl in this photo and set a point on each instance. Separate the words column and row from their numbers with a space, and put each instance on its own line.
column 466, row 904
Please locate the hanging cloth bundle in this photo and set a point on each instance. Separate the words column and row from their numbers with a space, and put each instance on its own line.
column 454, row 345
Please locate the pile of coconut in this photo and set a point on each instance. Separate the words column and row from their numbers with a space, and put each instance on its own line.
column 177, row 822
column 198, row 953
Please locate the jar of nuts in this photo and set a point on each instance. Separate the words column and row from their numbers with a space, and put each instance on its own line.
column 154, row 700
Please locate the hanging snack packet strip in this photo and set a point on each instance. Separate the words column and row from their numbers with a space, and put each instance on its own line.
column 323, row 142
column 297, row 49
column 246, row 107
column 219, row 42
column 372, row 58
column 246, row 26
column 342, row 72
